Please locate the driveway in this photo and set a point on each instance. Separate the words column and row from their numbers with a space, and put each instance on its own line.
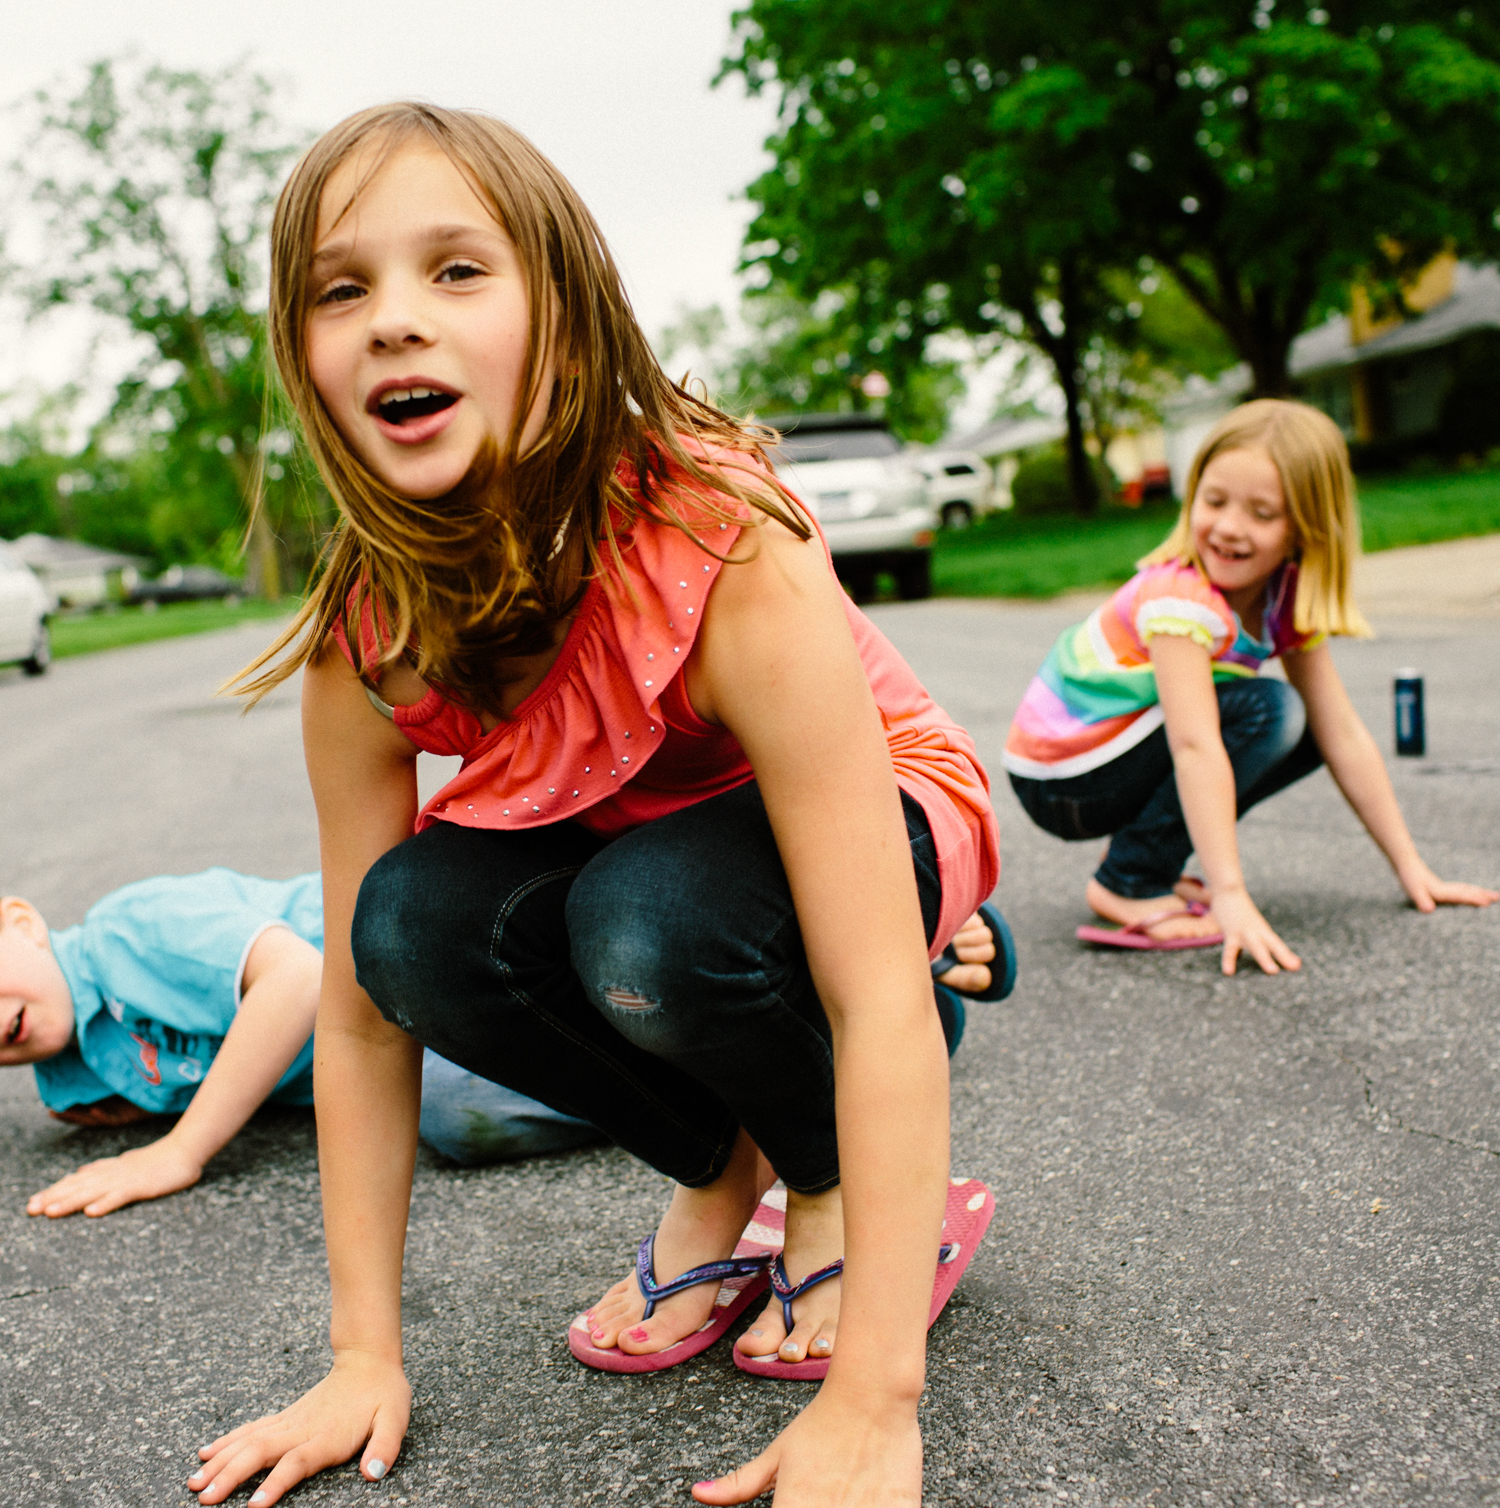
column 1245, row 1247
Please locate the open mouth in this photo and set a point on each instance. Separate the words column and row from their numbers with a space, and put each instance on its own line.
column 405, row 405
column 13, row 1035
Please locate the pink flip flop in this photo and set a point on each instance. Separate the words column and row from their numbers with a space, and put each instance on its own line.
column 970, row 1209
column 741, row 1278
column 1138, row 934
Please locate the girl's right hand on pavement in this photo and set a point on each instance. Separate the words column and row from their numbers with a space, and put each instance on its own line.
column 363, row 1404
column 1247, row 931
column 837, row 1453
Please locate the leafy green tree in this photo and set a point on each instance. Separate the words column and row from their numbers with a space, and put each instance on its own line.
column 992, row 165
column 155, row 190
column 28, row 481
column 811, row 357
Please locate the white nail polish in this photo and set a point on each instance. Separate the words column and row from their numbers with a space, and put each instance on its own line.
column 259, row 1497
column 376, row 1469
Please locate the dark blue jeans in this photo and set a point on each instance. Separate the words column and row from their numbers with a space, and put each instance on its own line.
column 1134, row 797
column 655, row 986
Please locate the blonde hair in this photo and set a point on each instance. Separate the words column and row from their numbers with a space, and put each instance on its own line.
column 1317, row 485
column 485, row 572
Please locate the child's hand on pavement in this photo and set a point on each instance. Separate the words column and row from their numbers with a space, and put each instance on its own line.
column 836, row 1453
column 97, row 1188
column 1247, row 931
column 1428, row 892
column 361, row 1408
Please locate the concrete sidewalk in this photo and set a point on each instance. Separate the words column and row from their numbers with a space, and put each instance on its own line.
column 1245, row 1248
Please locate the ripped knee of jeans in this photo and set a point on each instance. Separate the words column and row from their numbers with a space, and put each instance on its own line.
column 629, row 1000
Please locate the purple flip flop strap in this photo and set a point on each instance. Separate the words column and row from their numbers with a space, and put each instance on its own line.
column 711, row 1272
column 789, row 1292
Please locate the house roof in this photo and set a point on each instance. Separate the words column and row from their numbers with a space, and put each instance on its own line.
column 1007, row 436
column 43, row 553
column 1474, row 305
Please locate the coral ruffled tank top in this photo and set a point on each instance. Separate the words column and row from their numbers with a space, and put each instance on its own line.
column 610, row 740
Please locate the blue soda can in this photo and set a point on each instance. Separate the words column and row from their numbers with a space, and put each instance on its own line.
column 1411, row 724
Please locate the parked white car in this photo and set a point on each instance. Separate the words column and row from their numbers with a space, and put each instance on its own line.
column 960, row 485
column 24, row 607
column 869, row 498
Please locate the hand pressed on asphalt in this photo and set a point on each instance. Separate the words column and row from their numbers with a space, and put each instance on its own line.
column 111, row 1183
column 361, row 1408
column 1427, row 892
column 1247, row 931
column 837, row 1453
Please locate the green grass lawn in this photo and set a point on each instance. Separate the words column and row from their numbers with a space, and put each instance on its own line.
column 134, row 625
column 1039, row 557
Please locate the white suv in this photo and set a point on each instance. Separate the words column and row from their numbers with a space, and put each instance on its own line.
column 24, row 606
column 869, row 498
column 960, row 485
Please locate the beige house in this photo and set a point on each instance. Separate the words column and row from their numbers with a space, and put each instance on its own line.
column 77, row 575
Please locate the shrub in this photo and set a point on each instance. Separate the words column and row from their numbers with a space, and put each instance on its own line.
column 1042, row 486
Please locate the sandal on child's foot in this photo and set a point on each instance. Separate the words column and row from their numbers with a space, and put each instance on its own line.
column 970, row 1209
column 1138, row 935
column 741, row 1279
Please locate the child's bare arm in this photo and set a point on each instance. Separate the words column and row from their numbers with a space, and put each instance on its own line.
column 1205, row 786
column 1354, row 762
column 275, row 1018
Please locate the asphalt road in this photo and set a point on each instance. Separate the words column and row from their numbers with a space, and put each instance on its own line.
column 1245, row 1248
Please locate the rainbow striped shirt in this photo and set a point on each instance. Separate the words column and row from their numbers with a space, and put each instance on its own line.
column 1095, row 696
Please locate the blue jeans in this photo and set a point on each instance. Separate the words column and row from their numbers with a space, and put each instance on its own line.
column 655, row 986
column 477, row 1123
column 1134, row 796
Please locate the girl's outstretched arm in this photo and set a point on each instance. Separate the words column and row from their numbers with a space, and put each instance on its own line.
column 776, row 664
column 1205, row 786
column 367, row 1081
column 1354, row 762
column 271, row 1026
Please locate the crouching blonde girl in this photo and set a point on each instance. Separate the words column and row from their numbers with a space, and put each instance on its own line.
column 1151, row 723
column 708, row 832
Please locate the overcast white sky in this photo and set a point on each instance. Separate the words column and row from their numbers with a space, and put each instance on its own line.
column 616, row 92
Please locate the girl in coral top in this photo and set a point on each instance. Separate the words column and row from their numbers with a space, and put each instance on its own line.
column 708, row 833
column 1151, row 721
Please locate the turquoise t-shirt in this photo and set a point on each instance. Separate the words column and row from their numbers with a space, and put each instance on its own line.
column 154, row 969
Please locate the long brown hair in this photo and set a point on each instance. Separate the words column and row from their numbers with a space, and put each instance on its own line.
column 460, row 582
column 1312, row 461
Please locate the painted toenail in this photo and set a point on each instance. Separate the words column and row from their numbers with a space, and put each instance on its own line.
column 757, row 1332
column 376, row 1469
column 640, row 1333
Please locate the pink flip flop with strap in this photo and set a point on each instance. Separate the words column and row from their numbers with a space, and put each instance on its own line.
column 1138, row 934
column 741, row 1278
column 969, row 1211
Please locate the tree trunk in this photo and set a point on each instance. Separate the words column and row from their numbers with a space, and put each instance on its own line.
column 264, row 573
column 1081, row 479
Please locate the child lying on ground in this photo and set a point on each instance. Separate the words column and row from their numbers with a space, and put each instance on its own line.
column 195, row 996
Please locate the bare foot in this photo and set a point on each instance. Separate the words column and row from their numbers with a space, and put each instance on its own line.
column 1190, row 888
column 814, row 1238
column 1128, row 912
column 975, row 947
column 701, row 1225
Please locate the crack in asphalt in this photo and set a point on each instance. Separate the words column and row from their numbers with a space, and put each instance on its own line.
column 1376, row 1111
column 26, row 1293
